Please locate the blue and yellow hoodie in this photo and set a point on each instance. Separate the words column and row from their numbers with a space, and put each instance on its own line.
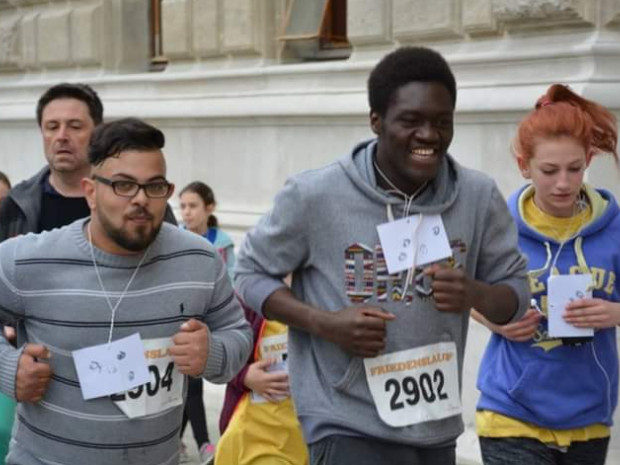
column 544, row 381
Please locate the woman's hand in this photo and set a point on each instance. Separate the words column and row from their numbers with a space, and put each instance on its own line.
column 522, row 330
column 519, row 331
column 592, row 313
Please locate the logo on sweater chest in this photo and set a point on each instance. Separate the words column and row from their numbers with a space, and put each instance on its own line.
column 366, row 275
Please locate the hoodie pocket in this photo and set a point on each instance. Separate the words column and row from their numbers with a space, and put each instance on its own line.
column 560, row 394
column 350, row 382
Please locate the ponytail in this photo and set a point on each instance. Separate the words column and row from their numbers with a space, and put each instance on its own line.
column 563, row 113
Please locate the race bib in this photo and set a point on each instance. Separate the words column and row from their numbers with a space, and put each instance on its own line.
column 273, row 347
column 163, row 391
column 415, row 385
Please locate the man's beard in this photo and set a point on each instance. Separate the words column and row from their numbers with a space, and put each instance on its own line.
column 139, row 242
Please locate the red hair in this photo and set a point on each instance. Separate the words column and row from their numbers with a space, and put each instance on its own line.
column 562, row 113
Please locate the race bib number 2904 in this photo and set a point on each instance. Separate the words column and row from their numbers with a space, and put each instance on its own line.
column 163, row 391
column 415, row 385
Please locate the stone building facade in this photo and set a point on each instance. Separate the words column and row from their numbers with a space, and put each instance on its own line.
column 251, row 91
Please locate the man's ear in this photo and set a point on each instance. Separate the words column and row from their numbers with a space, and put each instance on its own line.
column 375, row 122
column 88, row 186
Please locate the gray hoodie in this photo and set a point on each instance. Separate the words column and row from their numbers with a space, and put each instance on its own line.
column 322, row 228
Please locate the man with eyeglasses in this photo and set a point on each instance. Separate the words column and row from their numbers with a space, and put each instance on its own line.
column 67, row 114
column 116, row 299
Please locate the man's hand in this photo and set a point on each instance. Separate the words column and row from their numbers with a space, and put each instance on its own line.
column 451, row 288
column 592, row 313
column 191, row 347
column 33, row 374
column 271, row 386
column 358, row 330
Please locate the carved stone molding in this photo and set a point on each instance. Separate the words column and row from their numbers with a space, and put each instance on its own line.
column 53, row 39
column 9, row 33
column 206, row 27
column 545, row 13
column 7, row 4
column 238, row 20
column 421, row 19
column 369, row 21
column 28, row 44
column 176, row 30
column 86, row 34
column 478, row 17
column 20, row 3
column 610, row 12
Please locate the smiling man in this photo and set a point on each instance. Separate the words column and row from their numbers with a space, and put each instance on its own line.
column 376, row 346
column 122, row 272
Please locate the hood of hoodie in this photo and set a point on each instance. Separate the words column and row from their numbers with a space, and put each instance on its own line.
column 435, row 198
column 601, row 216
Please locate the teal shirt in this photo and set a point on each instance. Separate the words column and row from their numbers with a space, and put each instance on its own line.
column 7, row 412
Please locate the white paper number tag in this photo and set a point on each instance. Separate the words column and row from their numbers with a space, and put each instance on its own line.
column 406, row 243
column 273, row 347
column 164, row 388
column 561, row 290
column 108, row 368
column 415, row 385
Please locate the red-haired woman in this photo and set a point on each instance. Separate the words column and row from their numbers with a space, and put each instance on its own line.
column 544, row 399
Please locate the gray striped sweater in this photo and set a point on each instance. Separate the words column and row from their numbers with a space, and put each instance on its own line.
column 49, row 290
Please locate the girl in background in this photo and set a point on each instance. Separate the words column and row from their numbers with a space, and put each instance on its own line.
column 197, row 203
column 197, row 206
column 550, row 400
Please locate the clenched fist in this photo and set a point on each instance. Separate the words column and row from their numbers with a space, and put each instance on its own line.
column 191, row 347
column 33, row 373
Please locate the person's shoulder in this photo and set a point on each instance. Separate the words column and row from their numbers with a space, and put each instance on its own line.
column 50, row 244
column 26, row 186
column 321, row 174
column 173, row 239
column 315, row 185
column 474, row 179
column 223, row 238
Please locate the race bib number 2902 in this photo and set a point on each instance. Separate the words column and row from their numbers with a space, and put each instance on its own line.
column 415, row 385
column 163, row 391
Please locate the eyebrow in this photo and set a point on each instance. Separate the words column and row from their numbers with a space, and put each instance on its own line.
column 128, row 177
column 68, row 120
column 553, row 165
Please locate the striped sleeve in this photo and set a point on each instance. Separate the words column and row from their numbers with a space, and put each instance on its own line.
column 11, row 311
column 230, row 340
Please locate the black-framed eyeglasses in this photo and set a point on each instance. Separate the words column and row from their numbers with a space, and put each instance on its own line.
column 123, row 188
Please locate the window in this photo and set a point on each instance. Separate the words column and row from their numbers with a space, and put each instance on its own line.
column 158, row 60
column 316, row 30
